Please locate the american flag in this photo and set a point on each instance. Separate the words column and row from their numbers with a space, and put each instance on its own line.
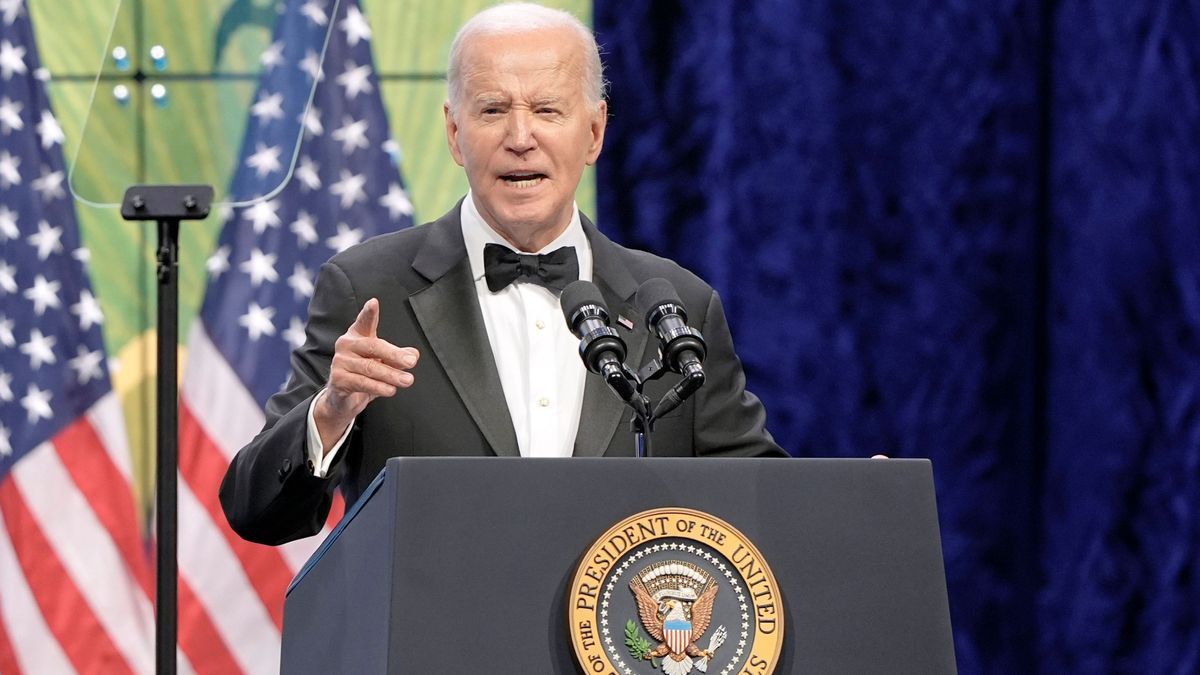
column 346, row 187
column 75, row 583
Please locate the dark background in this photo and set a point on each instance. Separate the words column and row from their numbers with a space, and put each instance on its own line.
column 964, row 231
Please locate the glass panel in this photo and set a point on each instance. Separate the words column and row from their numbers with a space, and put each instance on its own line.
column 172, row 99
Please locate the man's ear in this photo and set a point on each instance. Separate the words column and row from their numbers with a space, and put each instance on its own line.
column 598, row 124
column 452, row 133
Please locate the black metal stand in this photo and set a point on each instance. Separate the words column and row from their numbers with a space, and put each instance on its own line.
column 642, row 427
column 167, row 204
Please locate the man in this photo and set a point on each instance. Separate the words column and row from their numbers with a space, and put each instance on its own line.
column 420, row 343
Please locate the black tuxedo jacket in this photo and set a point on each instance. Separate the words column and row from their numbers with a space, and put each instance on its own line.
column 456, row 405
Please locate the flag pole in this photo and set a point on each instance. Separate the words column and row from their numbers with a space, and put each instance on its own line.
column 168, row 205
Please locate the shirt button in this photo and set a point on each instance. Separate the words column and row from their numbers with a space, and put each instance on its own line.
column 544, row 402
column 540, row 324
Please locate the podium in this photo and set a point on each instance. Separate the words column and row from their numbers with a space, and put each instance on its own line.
column 465, row 565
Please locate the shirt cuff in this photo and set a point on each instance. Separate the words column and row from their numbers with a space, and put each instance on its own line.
column 318, row 460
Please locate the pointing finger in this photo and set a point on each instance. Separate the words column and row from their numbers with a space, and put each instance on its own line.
column 367, row 322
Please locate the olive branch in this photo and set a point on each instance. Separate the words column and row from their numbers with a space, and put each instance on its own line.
column 639, row 647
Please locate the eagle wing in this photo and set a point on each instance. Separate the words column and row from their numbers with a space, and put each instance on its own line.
column 702, row 610
column 647, row 609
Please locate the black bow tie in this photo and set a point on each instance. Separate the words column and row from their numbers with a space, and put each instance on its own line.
column 553, row 270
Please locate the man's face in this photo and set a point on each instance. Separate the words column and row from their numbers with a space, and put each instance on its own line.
column 524, row 131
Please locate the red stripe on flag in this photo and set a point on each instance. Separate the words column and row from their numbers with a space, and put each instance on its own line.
column 8, row 655
column 199, row 639
column 108, row 493
column 203, row 466
column 65, row 610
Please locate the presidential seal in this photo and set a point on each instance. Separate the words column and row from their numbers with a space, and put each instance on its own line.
column 671, row 591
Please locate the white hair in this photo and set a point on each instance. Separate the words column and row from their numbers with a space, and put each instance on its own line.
column 515, row 18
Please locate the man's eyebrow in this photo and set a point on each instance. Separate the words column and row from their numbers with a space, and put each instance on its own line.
column 490, row 100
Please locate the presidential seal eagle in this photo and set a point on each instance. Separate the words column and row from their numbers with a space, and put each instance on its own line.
column 676, row 615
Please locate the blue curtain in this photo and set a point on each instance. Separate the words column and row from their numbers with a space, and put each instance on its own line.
column 964, row 231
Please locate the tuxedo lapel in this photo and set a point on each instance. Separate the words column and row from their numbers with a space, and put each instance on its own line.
column 448, row 312
column 602, row 410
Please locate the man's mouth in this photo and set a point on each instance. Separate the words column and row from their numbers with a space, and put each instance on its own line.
column 523, row 179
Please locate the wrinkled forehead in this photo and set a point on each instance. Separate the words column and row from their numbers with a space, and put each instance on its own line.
column 541, row 63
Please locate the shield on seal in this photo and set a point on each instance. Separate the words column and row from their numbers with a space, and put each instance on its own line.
column 678, row 635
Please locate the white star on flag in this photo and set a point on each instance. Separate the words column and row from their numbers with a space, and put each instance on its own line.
column 355, row 26
column 265, row 160
column 308, row 174
column 313, row 12
column 9, row 176
column 305, row 229
column 12, row 60
column 49, row 130
column 350, row 188
column 6, row 332
column 260, row 267
column 47, row 240
column 396, row 201
column 8, row 224
column 301, row 281
column 87, row 364
column 257, row 321
column 43, row 294
column 345, row 238
column 268, row 107
column 5, row 386
column 312, row 122
column 9, row 9
column 37, row 403
column 88, row 310
column 49, row 185
column 295, row 333
column 10, row 116
column 263, row 215
column 392, row 148
column 356, row 80
column 272, row 57
column 218, row 262
column 83, row 254
column 39, row 349
column 5, row 444
column 311, row 64
column 351, row 135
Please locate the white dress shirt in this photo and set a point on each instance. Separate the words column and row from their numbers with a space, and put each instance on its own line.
column 536, row 354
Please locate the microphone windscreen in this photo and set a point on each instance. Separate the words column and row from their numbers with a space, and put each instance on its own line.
column 653, row 293
column 577, row 294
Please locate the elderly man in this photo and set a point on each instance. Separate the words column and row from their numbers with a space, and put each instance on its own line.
column 431, row 342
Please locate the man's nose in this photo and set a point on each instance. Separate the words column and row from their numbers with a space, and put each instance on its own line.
column 520, row 139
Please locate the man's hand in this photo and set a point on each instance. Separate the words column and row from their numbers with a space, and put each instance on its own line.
column 364, row 368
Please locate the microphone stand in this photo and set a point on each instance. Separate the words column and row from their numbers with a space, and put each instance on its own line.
column 167, row 204
column 643, row 425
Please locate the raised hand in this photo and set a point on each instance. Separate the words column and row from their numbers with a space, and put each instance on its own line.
column 364, row 368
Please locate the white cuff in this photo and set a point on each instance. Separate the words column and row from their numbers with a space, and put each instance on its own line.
column 318, row 459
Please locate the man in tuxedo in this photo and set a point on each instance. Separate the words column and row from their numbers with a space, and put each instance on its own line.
column 447, row 339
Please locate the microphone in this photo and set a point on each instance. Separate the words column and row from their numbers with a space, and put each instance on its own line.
column 681, row 346
column 600, row 346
